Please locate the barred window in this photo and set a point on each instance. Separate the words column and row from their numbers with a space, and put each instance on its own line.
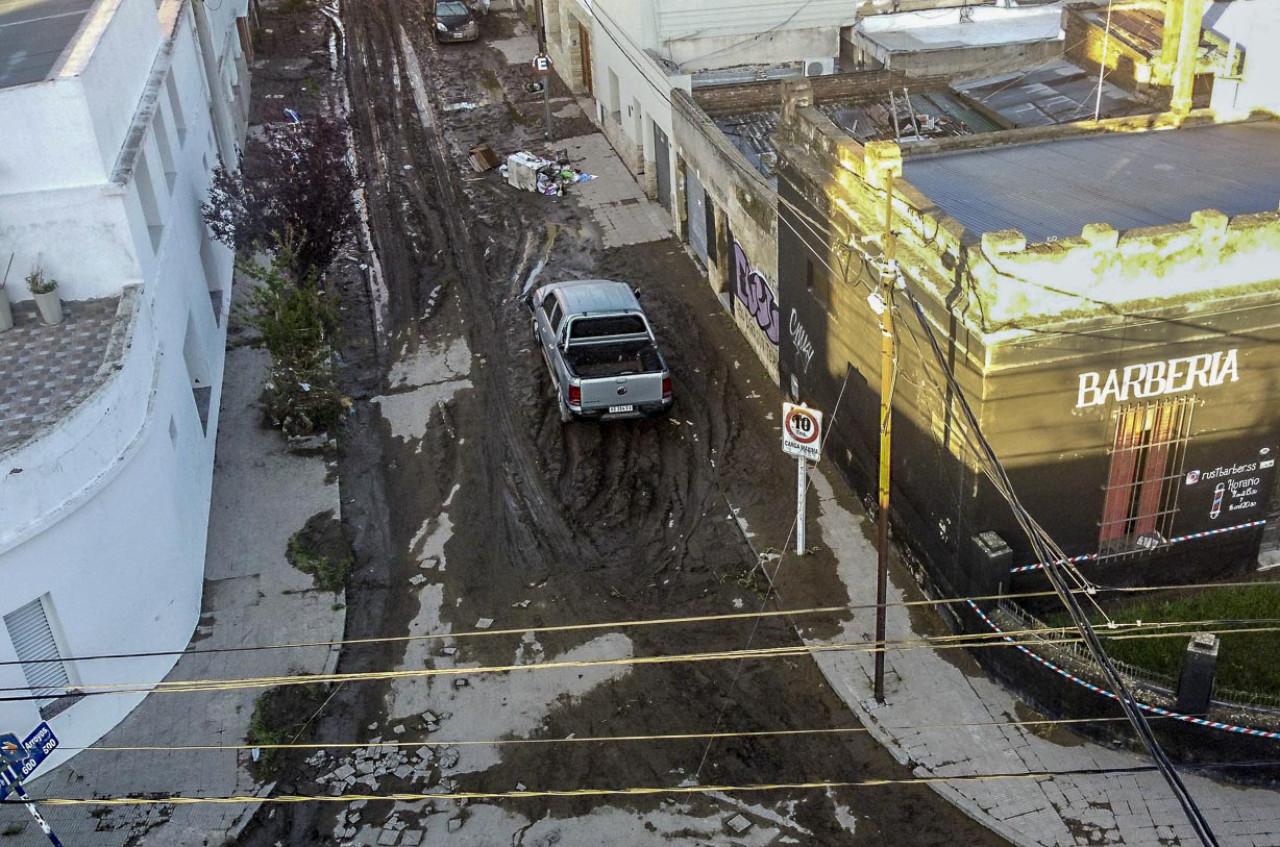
column 1142, row 487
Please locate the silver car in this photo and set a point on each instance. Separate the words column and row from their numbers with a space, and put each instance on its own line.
column 601, row 350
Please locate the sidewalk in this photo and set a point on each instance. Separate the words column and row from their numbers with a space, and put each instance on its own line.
column 252, row 596
column 923, row 689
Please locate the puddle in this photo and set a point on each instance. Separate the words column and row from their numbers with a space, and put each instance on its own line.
column 421, row 381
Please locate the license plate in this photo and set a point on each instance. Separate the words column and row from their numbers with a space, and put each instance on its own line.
column 614, row 410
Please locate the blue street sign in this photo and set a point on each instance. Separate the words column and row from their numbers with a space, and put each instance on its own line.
column 39, row 744
column 11, row 750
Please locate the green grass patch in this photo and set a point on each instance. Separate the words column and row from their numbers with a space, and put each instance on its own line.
column 321, row 548
column 282, row 715
column 1240, row 655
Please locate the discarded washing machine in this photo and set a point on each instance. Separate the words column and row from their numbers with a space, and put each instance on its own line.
column 522, row 170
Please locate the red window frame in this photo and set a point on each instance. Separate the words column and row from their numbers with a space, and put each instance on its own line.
column 1145, row 474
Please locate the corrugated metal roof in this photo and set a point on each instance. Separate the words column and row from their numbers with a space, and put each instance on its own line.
column 1055, row 93
column 33, row 36
column 1128, row 180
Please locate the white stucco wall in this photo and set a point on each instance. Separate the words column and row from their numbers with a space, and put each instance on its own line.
column 707, row 34
column 108, row 516
column 1254, row 25
column 643, row 85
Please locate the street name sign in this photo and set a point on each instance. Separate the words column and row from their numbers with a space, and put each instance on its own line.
column 38, row 745
column 801, row 431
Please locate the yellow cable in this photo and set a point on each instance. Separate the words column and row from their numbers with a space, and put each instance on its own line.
column 600, row 739
column 573, row 792
column 973, row 640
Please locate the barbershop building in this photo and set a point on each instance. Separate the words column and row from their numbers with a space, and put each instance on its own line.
column 1113, row 324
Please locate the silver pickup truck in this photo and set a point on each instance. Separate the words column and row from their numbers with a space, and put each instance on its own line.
column 600, row 350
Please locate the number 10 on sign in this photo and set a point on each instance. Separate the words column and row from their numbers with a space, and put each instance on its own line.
column 802, row 438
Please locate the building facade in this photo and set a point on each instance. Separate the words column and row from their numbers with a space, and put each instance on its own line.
column 1114, row 339
column 110, row 418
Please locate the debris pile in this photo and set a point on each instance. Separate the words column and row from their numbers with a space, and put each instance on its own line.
column 530, row 172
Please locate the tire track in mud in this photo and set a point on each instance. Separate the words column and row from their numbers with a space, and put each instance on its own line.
column 526, row 499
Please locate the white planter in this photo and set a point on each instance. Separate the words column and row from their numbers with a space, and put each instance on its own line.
column 50, row 306
column 6, row 314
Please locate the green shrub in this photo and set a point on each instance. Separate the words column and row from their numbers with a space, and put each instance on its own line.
column 296, row 320
column 282, row 715
column 321, row 548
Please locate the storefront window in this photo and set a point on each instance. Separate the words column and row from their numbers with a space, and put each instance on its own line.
column 1146, row 471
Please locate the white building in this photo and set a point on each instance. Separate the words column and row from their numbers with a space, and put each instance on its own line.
column 628, row 55
column 1251, row 28
column 108, row 421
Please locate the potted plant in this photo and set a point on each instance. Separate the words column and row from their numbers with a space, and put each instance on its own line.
column 45, row 291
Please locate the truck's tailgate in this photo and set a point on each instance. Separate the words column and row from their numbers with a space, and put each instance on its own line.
column 617, row 392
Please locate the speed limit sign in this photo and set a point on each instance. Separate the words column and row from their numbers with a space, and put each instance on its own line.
column 801, row 431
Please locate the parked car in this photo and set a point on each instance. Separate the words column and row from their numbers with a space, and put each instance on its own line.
column 600, row 349
column 455, row 21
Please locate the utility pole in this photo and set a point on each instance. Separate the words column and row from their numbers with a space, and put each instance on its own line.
column 544, row 61
column 888, row 277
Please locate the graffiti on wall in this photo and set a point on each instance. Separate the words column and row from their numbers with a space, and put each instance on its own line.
column 755, row 294
column 800, row 342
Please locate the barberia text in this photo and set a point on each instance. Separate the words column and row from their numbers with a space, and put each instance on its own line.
column 1156, row 379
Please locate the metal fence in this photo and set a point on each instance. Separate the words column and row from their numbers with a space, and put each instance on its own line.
column 1059, row 641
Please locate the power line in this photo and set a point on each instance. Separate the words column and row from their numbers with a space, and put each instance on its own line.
column 618, row 624
column 969, row 640
column 1053, row 556
column 635, row 791
column 598, row 739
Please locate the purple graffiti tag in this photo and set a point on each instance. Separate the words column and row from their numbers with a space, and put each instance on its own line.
column 756, row 296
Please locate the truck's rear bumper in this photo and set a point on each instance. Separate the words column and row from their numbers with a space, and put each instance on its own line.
column 641, row 410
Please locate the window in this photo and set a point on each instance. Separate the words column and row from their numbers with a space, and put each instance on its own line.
column 148, row 199
column 201, row 388
column 552, row 307
column 818, row 282
column 211, row 277
column 164, row 148
column 175, row 108
column 1146, row 468
column 607, row 326
column 39, row 657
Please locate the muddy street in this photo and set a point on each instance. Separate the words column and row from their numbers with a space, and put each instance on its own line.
column 486, row 528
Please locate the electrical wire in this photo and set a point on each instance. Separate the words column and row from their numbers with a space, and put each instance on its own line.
column 597, row 739
column 619, row 624
column 772, row 581
column 1053, row 556
column 636, row 791
column 963, row 640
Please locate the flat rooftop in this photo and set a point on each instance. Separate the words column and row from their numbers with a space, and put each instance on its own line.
column 33, row 36
column 45, row 371
column 972, row 26
column 931, row 113
column 1059, row 92
column 1052, row 189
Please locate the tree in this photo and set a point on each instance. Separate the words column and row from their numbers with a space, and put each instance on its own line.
column 296, row 320
column 295, row 180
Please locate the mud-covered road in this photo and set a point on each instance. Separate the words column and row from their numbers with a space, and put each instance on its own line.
column 476, row 511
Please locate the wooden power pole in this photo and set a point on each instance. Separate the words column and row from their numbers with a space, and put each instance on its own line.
column 888, row 375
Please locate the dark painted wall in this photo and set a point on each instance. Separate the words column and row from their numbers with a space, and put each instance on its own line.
column 1027, row 400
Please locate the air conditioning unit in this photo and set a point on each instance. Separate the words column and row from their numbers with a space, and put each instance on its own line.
column 819, row 67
